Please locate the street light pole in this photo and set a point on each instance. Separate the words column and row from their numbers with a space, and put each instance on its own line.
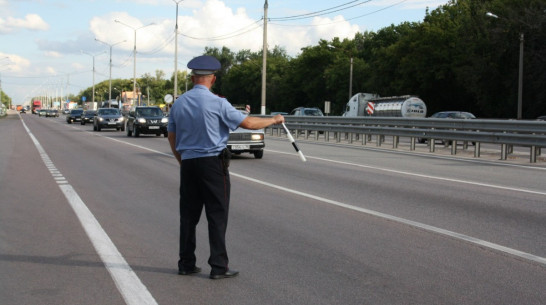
column 110, row 81
column 134, row 54
column 264, row 59
column 176, row 51
column 520, row 69
column 520, row 77
column 93, row 56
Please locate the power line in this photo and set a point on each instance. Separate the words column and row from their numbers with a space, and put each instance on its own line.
column 331, row 10
column 256, row 24
column 345, row 20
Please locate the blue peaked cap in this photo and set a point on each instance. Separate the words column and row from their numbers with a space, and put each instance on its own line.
column 204, row 65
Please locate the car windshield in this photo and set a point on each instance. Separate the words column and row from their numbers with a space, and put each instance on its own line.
column 109, row 111
column 312, row 112
column 149, row 112
column 76, row 111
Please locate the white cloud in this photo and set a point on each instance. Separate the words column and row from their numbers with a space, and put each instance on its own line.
column 213, row 24
column 31, row 22
column 15, row 63
column 53, row 54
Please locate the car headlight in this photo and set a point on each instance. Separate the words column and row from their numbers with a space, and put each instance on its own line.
column 121, row 119
column 100, row 119
column 142, row 121
column 165, row 120
column 257, row 137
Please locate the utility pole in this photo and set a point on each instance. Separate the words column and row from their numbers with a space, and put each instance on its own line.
column 264, row 59
column 110, row 81
column 176, row 51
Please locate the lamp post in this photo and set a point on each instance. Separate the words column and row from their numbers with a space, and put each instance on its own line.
column 264, row 59
column 134, row 51
column 93, row 56
column 520, row 69
column 176, row 51
column 110, row 80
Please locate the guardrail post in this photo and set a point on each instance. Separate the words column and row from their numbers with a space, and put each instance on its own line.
column 364, row 138
column 338, row 137
column 453, row 147
column 326, row 136
column 317, row 133
column 504, row 151
column 533, row 154
column 378, row 138
column 395, row 140
column 465, row 145
column 477, row 150
column 432, row 146
column 412, row 143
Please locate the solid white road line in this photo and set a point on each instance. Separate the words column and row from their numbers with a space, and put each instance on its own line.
column 129, row 285
column 480, row 242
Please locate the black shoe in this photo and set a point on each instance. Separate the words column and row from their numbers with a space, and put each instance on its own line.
column 227, row 274
column 190, row 271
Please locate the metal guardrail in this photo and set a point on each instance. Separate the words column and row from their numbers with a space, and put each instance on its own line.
column 507, row 133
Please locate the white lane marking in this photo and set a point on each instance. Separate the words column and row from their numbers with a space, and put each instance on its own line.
column 467, row 238
column 507, row 188
column 129, row 285
column 480, row 242
column 483, row 243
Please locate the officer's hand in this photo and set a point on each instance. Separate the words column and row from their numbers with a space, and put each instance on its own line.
column 278, row 119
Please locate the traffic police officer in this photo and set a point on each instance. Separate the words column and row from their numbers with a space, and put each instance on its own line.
column 199, row 126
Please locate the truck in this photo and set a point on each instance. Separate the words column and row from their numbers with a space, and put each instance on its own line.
column 36, row 105
column 369, row 104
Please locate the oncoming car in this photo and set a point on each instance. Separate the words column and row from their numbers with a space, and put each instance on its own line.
column 247, row 141
column 108, row 118
column 146, row 120
column 74, row 115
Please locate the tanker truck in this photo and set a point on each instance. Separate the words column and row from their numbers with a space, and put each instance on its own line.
column 369, row 104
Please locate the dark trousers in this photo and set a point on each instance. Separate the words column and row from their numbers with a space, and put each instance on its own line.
column 203, row 182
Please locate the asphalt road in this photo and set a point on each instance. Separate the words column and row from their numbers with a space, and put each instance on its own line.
column 350, row 226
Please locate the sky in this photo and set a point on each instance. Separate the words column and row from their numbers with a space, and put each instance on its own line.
column 52, row 47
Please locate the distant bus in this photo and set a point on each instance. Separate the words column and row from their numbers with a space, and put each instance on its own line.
column 36, row 105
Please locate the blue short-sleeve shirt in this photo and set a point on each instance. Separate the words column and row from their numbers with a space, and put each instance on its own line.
column 202, row 121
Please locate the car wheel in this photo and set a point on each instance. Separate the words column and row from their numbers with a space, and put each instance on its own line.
column 98, row 128
column 82, row 123
column 94, row 128
column 258, row 154
column 137, row 133
column 421, row 140
column 166, row 134
column 157, row 134
column 69, row 121
column 123, row 128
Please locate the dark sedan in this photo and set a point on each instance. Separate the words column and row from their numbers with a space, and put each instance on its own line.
column 147, row 120
column 108, row 118
column 88, row 116
column 74, row 116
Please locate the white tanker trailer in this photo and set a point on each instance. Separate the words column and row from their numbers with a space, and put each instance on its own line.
column 368, row 104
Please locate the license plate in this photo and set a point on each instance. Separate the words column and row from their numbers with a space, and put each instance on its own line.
column 111, row 123
column 240, row 147
column 153, row 127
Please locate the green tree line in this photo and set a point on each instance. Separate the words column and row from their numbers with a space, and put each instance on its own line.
column 457, row 58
